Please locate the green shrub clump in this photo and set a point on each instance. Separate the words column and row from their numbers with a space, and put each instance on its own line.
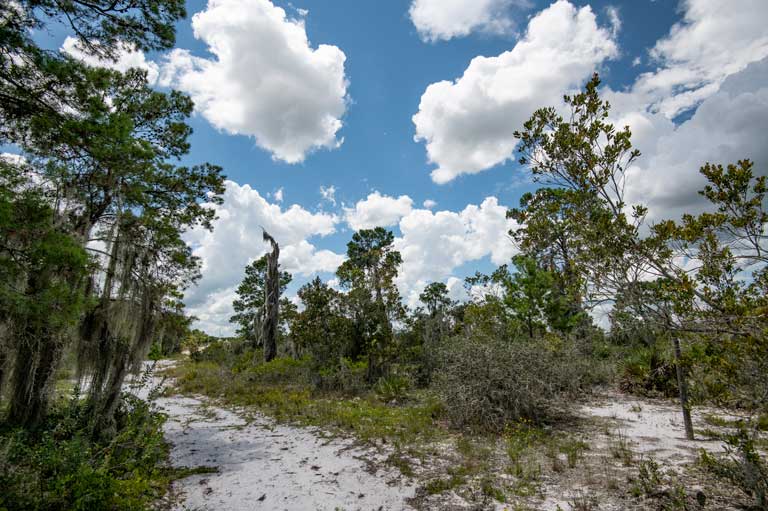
column 61, row 467
column 487, row 384
column 742, row 465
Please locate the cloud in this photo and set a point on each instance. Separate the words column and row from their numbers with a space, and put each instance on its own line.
column 437, row 20
column 716, row 61
column 429, row 204
column 378, row 211
column 265, row 80
column 236, row 240
column 13, row 158
column 714, row 40
column 128, row 57
column 467, row 124
column 727, row 126
column 329, row 194
column 278, row 195
column 434, row 244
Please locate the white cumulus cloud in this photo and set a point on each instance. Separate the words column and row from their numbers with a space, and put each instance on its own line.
column 378, row 210
column 237, row 240
column 467, row 124
column 437, row 20
column 434, row 244
column 127, row 58
column 265, row 79
column 714, row 40
column 727, row 126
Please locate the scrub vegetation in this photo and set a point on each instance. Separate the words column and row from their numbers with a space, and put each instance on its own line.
column 482, row 400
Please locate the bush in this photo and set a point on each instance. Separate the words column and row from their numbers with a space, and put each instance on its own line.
column 487, row 383
column 60, row 467
column 648, row 372
column 222, row 351
column 742, row 465
column 393, row 388
column 281, row 370
column 348, row 377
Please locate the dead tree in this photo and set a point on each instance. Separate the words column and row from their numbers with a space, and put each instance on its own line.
column 271, row 301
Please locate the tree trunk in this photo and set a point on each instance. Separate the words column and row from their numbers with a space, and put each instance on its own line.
column 682, row 386
column 37, row 357
column 36, row 362
column 271, row 301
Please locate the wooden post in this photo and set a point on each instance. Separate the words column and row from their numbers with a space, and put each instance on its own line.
column 271, row 301
column 682, row 387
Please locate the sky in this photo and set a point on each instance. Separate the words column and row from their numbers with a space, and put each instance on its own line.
column 330, row 116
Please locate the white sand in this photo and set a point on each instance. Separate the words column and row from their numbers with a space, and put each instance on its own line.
column 655, row 427
column 264, row 466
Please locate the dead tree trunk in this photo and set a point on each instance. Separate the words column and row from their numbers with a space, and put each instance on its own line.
column 271, row 301
column 682, row 387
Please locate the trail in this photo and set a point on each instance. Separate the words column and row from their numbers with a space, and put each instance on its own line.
column 263, row 465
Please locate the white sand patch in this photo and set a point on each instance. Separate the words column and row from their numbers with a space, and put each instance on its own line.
column 655, row 427
column 267, row 466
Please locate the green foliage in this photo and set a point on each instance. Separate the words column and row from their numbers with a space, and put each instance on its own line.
column 648, row 371
column 393, row 388
column 489, row 383
column 323, row 329
column 249, row 304
column 742, row 465
column 59, row 466
column 369, row 276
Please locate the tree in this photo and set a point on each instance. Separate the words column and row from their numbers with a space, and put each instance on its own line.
column 435, row 298
column 369, row 276
column 99, row 146
column 34, row 81
column 249, row 304
column 104, row 164
column 587, row 158
column 322, row 329
column 269, row 324
column 38, row 305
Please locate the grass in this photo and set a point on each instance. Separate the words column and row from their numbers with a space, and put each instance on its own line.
column 281, row 390
column 621, row 449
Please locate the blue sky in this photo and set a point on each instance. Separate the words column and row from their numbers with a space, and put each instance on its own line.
column 297, row 97
column 388, row 67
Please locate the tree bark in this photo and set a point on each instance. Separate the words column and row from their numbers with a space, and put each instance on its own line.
column 271, row 301
column 682, row 386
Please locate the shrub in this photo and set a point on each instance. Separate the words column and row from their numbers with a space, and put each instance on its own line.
column 487, row 383
column 393, row 387
column 281, row 370
column 348, row 377
column 742, row 465
column 60, row 467
column 648, row 372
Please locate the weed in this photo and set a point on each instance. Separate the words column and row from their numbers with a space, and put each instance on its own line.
column 742, row 465
column 443, row 485
column 403, row 464
column 649, row 477
column 621, row 449
column 583, row 502
column 573, row 450
column 489, row 489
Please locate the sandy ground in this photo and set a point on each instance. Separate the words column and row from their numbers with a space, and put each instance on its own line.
column 266, row 466
column 651, row 429
column 270, row 466
column 655, row 427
